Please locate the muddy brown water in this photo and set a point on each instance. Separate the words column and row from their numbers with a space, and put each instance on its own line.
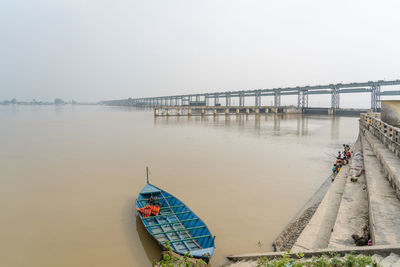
column 69, row 176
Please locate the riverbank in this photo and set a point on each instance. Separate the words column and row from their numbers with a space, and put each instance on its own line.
column 292, row 231
column 361, row 210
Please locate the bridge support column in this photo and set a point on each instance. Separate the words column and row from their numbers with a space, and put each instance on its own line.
column 258, row 99
column 241, row 99
column 189, row 112
column 168, row 112
column 247, row 111
column 335, row 97
column 302, row 100
column 237, row 111
column 156, row 112
column 203, row 111
column 215, row 112
column 226, row 111
column 216, row 100
column 178, row 112
column 257, row 110
column 375, row 97
column 277, row 97
column 228, row 100
column 207, row 100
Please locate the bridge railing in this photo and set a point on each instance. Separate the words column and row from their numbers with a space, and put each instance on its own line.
column 388, row 134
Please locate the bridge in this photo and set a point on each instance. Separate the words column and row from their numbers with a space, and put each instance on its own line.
column 375, row 88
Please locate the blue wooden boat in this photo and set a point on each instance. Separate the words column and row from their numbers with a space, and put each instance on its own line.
column 176, row 224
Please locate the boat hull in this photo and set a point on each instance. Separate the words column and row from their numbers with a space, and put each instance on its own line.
column 176, row 225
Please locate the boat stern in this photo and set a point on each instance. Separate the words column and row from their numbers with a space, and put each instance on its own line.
column 202, row 253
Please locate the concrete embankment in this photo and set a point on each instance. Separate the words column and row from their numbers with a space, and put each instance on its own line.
column 384, row 206
column 352, row 215
column 318, row 231
column 359, row 207
column 292, row 231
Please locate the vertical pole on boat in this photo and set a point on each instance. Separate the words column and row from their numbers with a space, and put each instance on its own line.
column 147, row 174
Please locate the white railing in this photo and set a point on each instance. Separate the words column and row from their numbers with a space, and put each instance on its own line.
column 388, row 134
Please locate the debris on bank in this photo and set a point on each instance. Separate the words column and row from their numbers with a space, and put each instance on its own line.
column 289, row 236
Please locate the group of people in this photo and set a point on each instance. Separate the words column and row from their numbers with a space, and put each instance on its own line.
column 342, row 159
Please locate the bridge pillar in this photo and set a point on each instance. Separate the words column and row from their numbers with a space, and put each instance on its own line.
column 241, row 99
column 335, row 97
column 277, row 97
column 258, row 99
column 228, row 100
column 302, row 99
column 215, row 111
column 375, row 97
column 237, row 111
column 189, row 112
column 247, row 111
column 216, row 100
column 207, row 99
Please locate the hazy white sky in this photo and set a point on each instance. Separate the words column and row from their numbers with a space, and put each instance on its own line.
column 91, row 50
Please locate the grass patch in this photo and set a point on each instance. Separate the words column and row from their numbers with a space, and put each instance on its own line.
column 350, row 260
column 171, row 259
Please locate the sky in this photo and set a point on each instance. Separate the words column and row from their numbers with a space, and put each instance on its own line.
column 92, row 50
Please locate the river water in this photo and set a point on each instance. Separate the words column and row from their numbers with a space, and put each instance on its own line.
column 69, row 176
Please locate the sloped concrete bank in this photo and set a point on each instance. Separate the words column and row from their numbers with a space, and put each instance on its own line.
column 311, row 228
column 293, row 229
column 360, row 212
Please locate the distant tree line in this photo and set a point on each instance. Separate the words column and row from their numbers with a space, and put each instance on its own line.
column 57, row 101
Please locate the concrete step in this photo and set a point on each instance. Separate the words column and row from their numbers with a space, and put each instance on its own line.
column 384, row 206
column 353, row 211
column 389, row 161
column 317, row 233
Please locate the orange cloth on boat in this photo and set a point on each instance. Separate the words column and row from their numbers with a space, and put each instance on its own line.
column 149, row 210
